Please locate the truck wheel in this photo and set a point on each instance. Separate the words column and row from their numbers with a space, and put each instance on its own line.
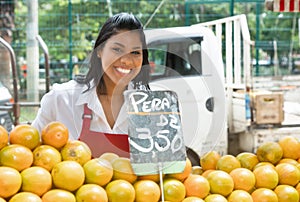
column 193, row 156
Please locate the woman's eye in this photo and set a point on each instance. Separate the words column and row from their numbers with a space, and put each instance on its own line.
column 117, row 50
column 136, row 52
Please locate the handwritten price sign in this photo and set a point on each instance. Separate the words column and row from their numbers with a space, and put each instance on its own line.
column 155, row 132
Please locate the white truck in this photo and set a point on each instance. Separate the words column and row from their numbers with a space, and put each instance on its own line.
column 189, row 60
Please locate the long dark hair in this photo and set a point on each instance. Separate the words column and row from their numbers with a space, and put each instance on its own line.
column 116, row 23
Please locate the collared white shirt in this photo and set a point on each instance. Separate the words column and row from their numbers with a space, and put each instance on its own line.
column 64, row 103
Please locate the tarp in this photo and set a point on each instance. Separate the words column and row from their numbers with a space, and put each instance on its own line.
column 286, row 5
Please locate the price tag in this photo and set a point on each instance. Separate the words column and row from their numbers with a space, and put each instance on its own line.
column 155, row 132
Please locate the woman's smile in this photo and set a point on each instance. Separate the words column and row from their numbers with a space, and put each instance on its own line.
column 123, row 70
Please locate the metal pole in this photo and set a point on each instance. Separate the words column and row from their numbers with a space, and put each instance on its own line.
column 258, row 9
column 187, row 13
column 46, row 55
column 290, row 67
column 231, row 7
column 154, row 13
column 70, row 38
column 110, row 13
column 32, row 52
column 276, row 63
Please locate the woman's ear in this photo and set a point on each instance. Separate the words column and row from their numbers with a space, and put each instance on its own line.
column 99, row 53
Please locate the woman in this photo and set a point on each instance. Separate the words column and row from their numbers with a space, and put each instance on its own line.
column 92, row 108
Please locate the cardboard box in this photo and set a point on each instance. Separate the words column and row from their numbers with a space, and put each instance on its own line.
column 252, row 139
column 268, row 108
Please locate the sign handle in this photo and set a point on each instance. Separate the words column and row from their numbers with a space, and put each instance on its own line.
column 160, row 167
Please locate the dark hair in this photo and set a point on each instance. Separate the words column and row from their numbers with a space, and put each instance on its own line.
column 116, row 23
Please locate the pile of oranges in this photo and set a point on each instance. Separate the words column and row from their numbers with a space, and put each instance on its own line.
column 49, row 167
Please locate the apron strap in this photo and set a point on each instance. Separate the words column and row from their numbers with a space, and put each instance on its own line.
column 87, row 117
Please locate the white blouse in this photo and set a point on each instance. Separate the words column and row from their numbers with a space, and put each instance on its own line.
column 64, row 103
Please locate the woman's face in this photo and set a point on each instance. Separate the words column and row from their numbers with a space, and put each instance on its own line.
column 122, row 57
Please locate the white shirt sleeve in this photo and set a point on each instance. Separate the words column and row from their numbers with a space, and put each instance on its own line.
column 46, row 112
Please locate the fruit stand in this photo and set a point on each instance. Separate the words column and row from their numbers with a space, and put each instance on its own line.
column 54, row 168
column 49, row 167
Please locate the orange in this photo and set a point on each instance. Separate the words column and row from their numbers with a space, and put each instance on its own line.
column 196, row 185
column 153, row 177
column 10, row 181
column 220, row 182
column 36, row 179
column 288, row 174
column 185, row 173
column 123, row 170
column 68, row 175
column 239, row 196
column 16, row 156
column 264, row 164
column 25, row 135
column 55, row 134
column 227, row 163
column 248, row 160
column 109, row 156
column 192, row 199
column 197, row 170
column 263, row 195
column 209, row 160
column 146, row 191
column 243, row 179
column 298, row 188
column 289, row 160
column 286, row 193
column 120, row 191
column 3, row 137
column 98, row 171
column 269, row 152
column 46, row 156
column 58, row 195
column 205, row 173
column 25, row 196
column 174, row 190
column 266, row 177
column 290, row 146
column 77, row 151
column 91, row 193
column 215, row 198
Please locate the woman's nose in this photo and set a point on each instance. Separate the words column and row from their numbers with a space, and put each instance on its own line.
column 126, row 59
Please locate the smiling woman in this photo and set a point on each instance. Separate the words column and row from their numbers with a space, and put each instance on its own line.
column 93, row 108
column 122, row 59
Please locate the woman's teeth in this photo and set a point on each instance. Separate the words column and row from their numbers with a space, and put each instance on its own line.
column 124, row 71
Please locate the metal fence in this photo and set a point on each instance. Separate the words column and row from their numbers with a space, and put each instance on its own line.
column 70, row 26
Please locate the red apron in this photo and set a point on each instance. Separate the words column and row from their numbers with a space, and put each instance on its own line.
column 100, row 142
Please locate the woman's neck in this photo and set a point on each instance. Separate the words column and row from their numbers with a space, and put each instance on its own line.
column 112, row 89
column 111, row 99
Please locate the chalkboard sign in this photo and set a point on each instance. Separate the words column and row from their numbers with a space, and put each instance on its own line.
column 155, row 132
